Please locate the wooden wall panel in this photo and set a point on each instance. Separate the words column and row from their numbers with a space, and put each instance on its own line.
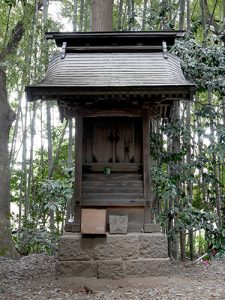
column 113, row 139
column 138, row 140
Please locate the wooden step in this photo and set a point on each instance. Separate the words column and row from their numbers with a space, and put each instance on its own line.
column 112, row 183
column 112, row 189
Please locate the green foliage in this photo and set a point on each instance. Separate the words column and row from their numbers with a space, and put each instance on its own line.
column 35, row 240
column 58, row 193
column 176, row 206
column 203, row 64
column 216, row 240
column 201, row 244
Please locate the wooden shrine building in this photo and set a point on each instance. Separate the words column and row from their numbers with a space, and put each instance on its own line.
column 113, row 84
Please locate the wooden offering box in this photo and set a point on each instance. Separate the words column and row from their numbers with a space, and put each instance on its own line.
column 93, row 221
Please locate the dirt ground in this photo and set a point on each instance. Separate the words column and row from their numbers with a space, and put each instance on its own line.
column 33, row 277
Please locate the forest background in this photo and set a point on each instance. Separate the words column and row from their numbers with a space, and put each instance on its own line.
column 188, row 153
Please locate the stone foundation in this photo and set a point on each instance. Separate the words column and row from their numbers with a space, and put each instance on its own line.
column 113, row 256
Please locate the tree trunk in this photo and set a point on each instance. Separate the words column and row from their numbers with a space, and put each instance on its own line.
column 176, row 149
column 30, row 174
column 189, row 183
column 81, row 15
column 120, row 14
column 214, row 161
column 129, row 14
column 7, row 116
column 181, row 14
column 75, row 15
column 188, row 16
column 144, row 15
column 102, row 15
column 50, row 159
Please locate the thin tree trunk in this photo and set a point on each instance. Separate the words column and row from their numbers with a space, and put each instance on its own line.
column 86, row 15
column 144, row 15
column 132, row 14
column 74, row 15
column 55, row 161
column 81, row 15
column 48, row 115
column 214, row 158
column 49, row 137
column 181, row 14
column 6, row 118
column 102, row 15
column 30, row 175
column 70, row 165
column 170, row 206
column 120, row 14
column 189, row 184
column 129, row 14
column 188, row 16
column 23, row 179
column 50, row 161
column 204, row 18
column 15, row 131
column 176, row 149
column 27, row 182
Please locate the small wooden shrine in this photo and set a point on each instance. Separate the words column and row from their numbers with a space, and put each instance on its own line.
column 113, row 84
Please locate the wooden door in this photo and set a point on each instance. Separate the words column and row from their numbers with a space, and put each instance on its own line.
column 112, row 140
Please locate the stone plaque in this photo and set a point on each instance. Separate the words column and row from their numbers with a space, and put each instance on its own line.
column 118, row 224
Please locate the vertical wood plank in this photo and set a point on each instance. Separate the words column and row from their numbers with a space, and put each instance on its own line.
column 146, row 157
column 138, row 144
column 102, row 143
column 146, row 170
column 78, row 171
column 119, row 143
column 132, row 129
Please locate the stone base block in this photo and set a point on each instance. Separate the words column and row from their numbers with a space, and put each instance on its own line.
column 111, row 269
column 113, row 256
column 147, row 267
column 76, row 247
column 150, row 228
column 153, row 246
column 76, row 268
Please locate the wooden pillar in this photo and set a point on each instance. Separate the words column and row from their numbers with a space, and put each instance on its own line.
column 75, row 226
column 146, row 169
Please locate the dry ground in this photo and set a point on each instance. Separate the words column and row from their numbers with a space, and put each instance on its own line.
column 33, row 277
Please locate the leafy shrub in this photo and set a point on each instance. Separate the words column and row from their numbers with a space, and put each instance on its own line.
column 32, row 240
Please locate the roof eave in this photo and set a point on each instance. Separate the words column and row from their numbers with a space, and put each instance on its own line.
column 55, row 92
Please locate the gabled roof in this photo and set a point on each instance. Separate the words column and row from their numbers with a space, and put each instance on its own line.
column 100, row 65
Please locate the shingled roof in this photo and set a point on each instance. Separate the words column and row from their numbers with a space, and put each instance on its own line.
column 136, row 63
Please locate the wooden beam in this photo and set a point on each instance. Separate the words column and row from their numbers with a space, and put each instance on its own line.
column 146, row 169
column 146, row 157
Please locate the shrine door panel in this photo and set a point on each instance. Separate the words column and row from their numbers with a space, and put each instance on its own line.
column 112, row 140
